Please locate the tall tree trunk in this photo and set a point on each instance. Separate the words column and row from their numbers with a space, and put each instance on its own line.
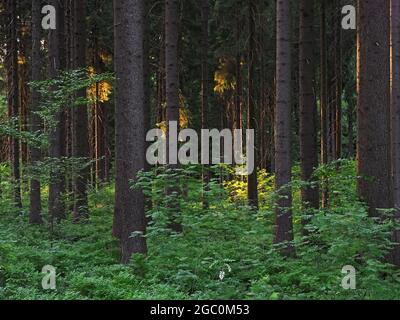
column 56, row 207
column 81, row 130
column 395, row 118
column 374, row 165
column 171, row 59
column 99, row 120
column 13, row 98
column 284, row 223
column 324, row 99
column 35, row 207
column 23, row 79
column 238, row 91
column 205, row 85
column 252, row 192
column 308, row 109
column 172, row 88
column 130, row 124
column 338, row 79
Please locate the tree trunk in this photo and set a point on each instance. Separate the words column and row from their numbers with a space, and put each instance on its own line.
column 350, row 120
column 308, row 109
column 338, row 79
column 205, row 85
column 252, row 192
column 172, row 88
column 35, row 208
column 56, row 207
column 324, row 100
column 238, row 91
column 374, row 165
column 81, row 130
column 130, row 124
column 13, row 99
column 171, row 59
column 395, row 118
column 284, row 223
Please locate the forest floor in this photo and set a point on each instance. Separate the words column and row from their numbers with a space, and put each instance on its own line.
column 225, row 252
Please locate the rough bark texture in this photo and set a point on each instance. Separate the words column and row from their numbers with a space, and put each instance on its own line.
column 35, row 207
column 284, row 223
column 252, row 192
column 81, row 130
column 374, row 165
column 395, row 118
column 308, row 108
column 130, row 124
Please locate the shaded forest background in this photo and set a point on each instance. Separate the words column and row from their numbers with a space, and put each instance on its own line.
column 77, row 193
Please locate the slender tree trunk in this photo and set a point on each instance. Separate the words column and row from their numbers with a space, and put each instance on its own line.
column 308, row 109
column 205, row 85
column 13, row 98
column 130, row 124
column 238, row 92
column 23, row 79
column 284, row 223
column 35, row 153
column 374, row 163
column 56, row 207
column 81, row 130
column 99, row 121
column 171, row 59
column 350, row 121
column 338, row 79
column 395, row 118
column 252, row 192
column 324, row 100
column 172, row 87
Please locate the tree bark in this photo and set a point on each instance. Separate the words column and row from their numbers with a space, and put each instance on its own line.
column 308, row 109
column 324, row 99
column 205, row 86
column 130, row 124
column 56, row 39
column 13, row 99
column 374, row 163
column 395, row 122
column 172, row 89
column 284, row 223
column 35, row 208
column 252, row 192
column 81, row 130
column 338, row 79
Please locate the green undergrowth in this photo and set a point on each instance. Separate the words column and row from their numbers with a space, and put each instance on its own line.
column 225, row 252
